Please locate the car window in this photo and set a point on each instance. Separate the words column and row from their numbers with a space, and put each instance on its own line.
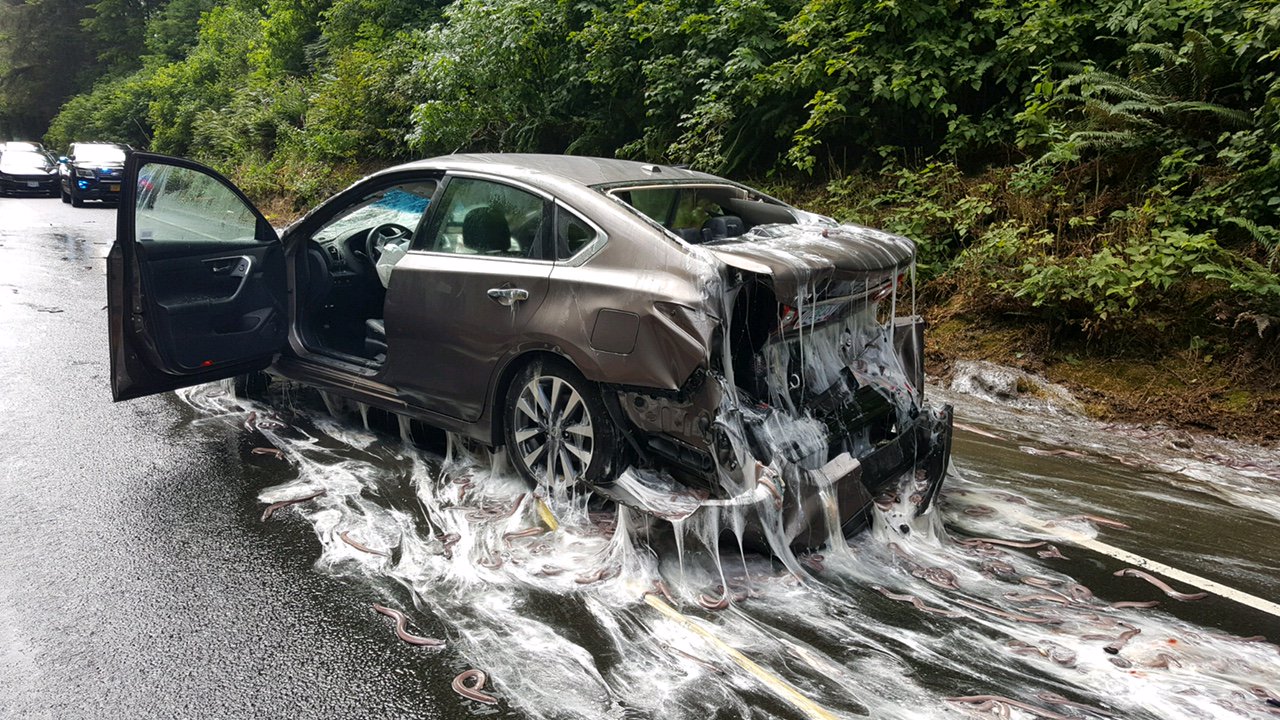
column 704, row 212
column 656, row 203
column 98, row 153
column 572, row 234
column 680, row 207
column 22, row 160
column 403, row 204
column 481, row 217
column 176, row 204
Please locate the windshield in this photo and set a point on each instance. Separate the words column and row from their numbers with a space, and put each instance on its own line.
column 402, row 205
column 701, row 213
column 15, row 161
column 99, row 153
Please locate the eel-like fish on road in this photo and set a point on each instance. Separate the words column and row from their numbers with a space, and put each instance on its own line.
column 401, row 622
column 273, row 507
column 1164, row 587
column 473, row 692
column 981, row 700
column 359, row 546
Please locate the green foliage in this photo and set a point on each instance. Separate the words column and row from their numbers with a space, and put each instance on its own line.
column 115, row 110
column 1116, row 283
column 498, row 75
column 174, row 28
column 931, row 205
column 1099, row 164
column 116, row 27
column 43, row 52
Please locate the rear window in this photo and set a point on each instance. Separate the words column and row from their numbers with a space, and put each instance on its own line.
column 704, row 213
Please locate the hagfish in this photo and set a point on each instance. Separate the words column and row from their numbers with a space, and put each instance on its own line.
column 1164, row 587
column 1001, row 613
column 916, row 602
column 359, row 546
column 473, row 692
column 525, row 533
column 1006, row 543
column 604, row 573
column 1056, row 699
column 1115, row 647
column 711, row 603
column 1098, row 520
column 659, row 588
column 1053, row 553
column 401, row 632
column 273, row 507
column 997, row 699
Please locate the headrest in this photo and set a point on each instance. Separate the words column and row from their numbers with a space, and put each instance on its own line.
column 485, row 230
column 719, row 228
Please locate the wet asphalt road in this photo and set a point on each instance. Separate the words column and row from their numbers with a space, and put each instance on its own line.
column 137, row 581
column 135, row 578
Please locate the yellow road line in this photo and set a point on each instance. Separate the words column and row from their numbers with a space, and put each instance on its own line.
column 780, row 687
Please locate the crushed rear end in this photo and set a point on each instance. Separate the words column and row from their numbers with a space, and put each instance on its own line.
column 814, row 393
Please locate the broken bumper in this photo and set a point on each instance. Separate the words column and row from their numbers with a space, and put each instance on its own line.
column 814, row 507
column 840, row 495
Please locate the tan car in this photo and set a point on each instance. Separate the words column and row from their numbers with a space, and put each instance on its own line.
column 676, row 340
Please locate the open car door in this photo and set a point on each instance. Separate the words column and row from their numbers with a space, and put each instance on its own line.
column 195, row 280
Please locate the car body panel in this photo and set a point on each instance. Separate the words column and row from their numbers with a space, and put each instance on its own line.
column 749, row 364
column 27, row 172
column 453, row 377
column 187, row 311
column 797, row 256
column 94, row 171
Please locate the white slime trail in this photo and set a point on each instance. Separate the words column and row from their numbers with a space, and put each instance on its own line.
column 560, row 622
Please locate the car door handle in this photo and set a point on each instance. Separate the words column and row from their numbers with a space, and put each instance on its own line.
column 508, row 296
column 237, row 266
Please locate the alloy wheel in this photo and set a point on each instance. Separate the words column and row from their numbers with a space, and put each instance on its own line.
column 553, row 432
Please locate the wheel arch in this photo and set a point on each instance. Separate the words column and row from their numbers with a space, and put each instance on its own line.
column 506, row 375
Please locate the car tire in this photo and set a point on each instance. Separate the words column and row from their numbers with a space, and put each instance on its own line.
column 76, row 201
column 63, row 192
column 552, row 411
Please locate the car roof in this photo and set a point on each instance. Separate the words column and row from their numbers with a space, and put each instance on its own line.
column 538, row 169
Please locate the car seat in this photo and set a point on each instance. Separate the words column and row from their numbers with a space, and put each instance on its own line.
column 485, row 230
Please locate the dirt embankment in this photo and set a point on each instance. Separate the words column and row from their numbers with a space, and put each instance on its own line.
column 1233, row 394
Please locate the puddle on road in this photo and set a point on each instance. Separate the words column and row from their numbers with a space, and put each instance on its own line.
column 886, row 627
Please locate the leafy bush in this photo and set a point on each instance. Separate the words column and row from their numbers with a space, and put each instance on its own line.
column 1101, row 165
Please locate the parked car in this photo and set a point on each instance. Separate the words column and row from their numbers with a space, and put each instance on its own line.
column 27, row 172
column 673, row 339
column 92, row 171
column 23, row 146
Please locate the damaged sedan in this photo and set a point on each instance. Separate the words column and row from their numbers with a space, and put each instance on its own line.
column 673, row 340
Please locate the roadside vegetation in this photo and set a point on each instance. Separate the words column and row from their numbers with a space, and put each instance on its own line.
column 1094, row 186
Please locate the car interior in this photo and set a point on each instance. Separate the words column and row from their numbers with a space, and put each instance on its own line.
column 701, row 214
column 348, row 261
column 344, row 273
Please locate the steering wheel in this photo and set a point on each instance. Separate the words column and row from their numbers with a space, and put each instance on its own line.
column 382, row 235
